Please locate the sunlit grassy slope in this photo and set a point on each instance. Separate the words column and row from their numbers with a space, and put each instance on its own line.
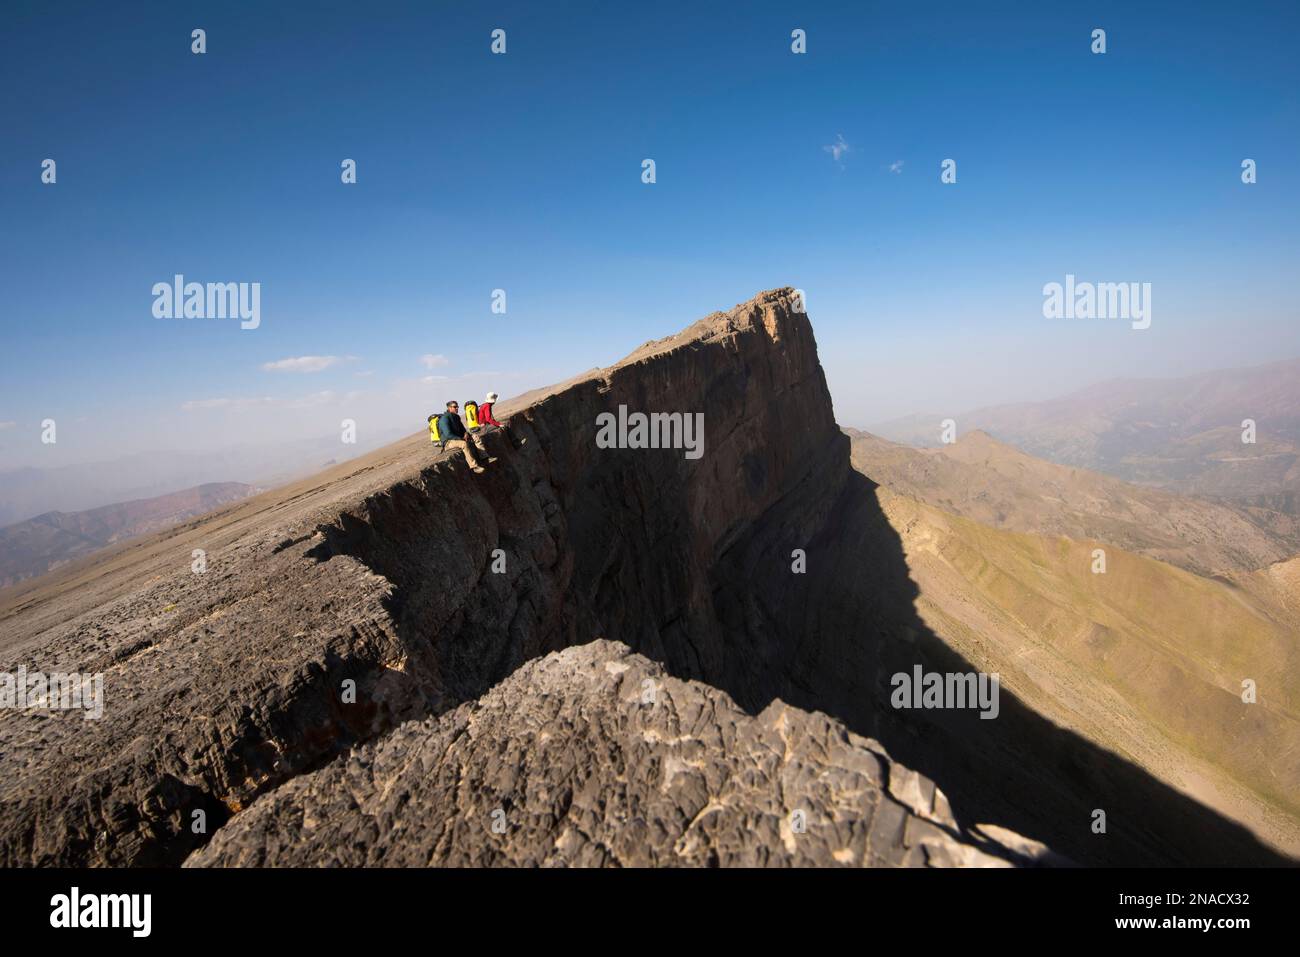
column 1146, row 659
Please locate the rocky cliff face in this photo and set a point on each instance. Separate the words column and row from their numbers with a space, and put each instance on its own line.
column 610, row 542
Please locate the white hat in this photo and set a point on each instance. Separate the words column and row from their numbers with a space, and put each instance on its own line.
column 492, row 396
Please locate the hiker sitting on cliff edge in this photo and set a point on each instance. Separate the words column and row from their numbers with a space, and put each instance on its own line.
column 452, row 435
column 485, row 411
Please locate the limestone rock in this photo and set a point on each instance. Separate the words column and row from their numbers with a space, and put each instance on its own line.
column 593, row 756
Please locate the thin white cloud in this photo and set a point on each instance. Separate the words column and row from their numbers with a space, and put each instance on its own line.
column 303, row 364
column 197, row 404
column 429, row 379
column 7, row 425
column 896, row 166
column 313, row 400
column 839, row 149
column 433, row 362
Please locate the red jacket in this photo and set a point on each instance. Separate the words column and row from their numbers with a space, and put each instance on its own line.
column 485, row 415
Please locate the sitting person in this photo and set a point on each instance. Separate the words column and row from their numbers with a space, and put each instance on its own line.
column 452, row 435
column 485, row 411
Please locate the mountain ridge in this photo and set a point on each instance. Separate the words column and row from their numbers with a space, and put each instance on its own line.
column 997, row 484
column 1183, row 435
column 38, row 545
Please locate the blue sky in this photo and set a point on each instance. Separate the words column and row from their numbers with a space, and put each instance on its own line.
column 522, row 172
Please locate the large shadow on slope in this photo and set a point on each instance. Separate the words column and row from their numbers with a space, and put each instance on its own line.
column 831, row 640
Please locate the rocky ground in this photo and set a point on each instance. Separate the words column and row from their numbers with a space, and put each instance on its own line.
column 593, row 756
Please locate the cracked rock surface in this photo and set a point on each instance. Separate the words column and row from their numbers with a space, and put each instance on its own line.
column 593, row 756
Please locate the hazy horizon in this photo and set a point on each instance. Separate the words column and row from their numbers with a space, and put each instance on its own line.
column 1013, row 397
column 146, row 472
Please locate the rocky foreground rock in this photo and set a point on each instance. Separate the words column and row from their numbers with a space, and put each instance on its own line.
column 594, row 757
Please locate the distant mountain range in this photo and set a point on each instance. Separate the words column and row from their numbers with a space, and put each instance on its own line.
column 1183, row 435
column 28, row 492
column 983, row 479
column 44, row 543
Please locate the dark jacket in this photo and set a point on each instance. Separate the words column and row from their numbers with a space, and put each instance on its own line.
column 450, row 427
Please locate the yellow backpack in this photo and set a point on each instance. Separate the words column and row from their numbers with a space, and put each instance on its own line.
column 433, row 429
column 471, row 414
